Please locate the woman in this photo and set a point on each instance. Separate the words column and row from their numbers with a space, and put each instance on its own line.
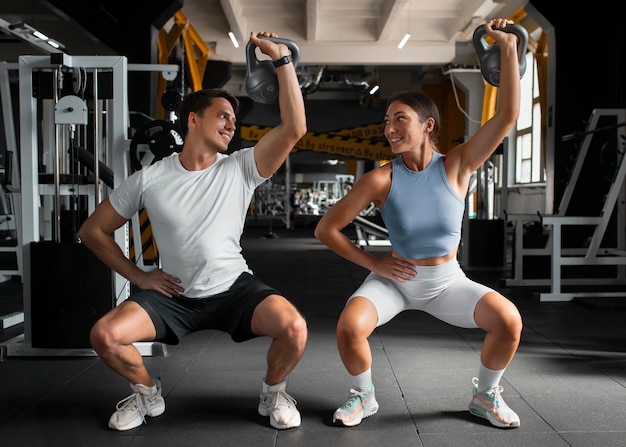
column 420, row 195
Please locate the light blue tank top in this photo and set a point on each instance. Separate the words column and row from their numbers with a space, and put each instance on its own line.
column 422, row 213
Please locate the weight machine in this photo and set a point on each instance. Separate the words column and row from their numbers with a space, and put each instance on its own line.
column 49, row 122
column 592, row 253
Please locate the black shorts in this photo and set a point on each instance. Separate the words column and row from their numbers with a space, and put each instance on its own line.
column 229, row 311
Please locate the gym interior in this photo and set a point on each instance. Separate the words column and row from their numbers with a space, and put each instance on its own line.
column 545, row 224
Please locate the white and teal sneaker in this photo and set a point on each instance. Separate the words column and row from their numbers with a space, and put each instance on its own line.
column 489, row 405
column 360, row 404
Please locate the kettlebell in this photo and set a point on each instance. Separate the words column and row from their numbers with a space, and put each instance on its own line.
column 489, row 55
column 260, row 79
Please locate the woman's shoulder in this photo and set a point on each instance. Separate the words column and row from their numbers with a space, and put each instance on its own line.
column 380, row 176
column 383, row 170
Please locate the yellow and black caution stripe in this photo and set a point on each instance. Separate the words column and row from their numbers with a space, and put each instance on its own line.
column 341, row 143
column 334, row 144
column 367, row 131
column 148, row 244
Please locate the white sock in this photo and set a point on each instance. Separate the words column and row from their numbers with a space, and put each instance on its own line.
column 363, row 380
column 488, row 378
column 266, row 388
column 146, row 390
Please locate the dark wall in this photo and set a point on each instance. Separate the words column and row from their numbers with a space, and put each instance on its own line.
column 590, row 74
column 128, row 34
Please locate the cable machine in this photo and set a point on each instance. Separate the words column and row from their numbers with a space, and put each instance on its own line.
column 65, row 287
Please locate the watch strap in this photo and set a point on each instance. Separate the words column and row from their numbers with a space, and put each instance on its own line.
column 282, row 61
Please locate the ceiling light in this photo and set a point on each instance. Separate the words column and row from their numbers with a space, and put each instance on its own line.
column 404, row 40
column 374, row 89
column 31, row 35
column 233, row 39
column 39, row 34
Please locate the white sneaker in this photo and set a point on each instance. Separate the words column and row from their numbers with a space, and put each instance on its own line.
column 279, row 406
column 131, row 412
column 360, row 404
column 489, row 405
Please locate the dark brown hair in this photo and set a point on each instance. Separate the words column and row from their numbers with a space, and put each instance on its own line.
column 197, row 101
column 423, row 105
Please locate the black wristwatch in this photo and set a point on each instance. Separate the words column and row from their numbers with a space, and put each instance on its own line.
column 282, row 61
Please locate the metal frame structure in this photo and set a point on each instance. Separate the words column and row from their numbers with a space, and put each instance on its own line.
column 10, row 191
column 35, row 195
column 370, row 234
column 591, row 255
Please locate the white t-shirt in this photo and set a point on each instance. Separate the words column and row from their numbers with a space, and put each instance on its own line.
column 197, row 217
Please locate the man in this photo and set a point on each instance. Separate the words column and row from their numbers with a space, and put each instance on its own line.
column 197, row 201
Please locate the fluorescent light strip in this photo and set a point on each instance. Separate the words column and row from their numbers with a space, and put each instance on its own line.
column 233, row 39
column 39, row 34
column 404, row 40
column 31, row 35
column 374, row 89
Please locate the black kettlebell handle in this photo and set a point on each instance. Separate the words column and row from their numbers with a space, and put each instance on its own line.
column 489, row 55
column 293, row 47
column 260, row 81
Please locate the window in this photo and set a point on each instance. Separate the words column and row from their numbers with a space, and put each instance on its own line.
column 529, row 167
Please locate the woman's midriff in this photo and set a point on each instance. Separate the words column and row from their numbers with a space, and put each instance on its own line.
column 428, row 261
